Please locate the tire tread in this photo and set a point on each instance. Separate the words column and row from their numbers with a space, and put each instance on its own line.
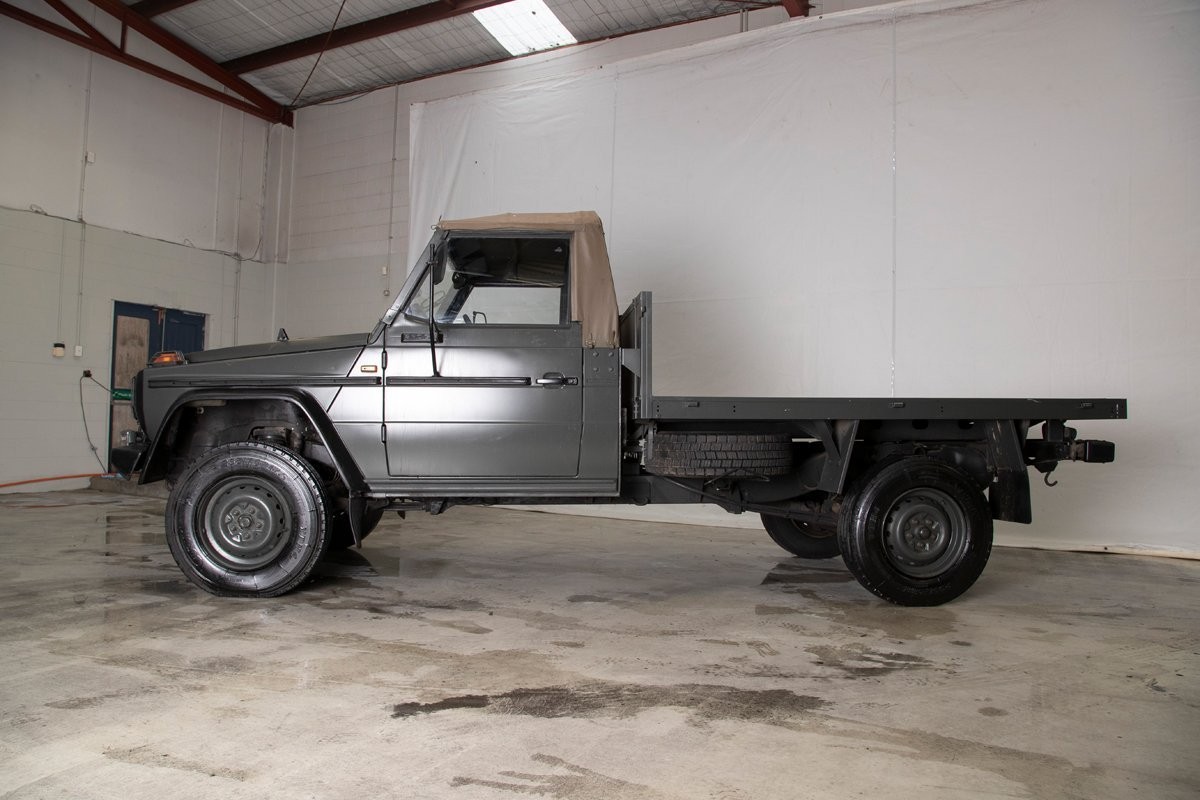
column 181, row 502
column 714, row 455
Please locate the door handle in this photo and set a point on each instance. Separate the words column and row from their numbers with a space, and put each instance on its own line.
column 557, row 379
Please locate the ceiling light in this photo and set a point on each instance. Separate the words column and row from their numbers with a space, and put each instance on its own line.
column 524, row 26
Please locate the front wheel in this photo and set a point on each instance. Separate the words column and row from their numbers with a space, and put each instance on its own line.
column 248, row 519
column 803, row 539
column 917, row 532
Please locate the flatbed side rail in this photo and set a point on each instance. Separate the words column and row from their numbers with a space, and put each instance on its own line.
column 761, row 409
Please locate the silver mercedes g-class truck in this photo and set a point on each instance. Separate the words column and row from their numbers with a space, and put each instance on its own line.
column 504, row 374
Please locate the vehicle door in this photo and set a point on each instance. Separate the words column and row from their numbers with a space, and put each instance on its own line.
column 483, row 364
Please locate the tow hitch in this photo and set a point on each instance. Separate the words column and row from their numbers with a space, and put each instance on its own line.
column 1058, row 443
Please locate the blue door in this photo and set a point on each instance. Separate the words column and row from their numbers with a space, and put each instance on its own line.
column 140, row 331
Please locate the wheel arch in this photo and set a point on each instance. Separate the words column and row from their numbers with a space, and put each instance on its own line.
column 157, row 459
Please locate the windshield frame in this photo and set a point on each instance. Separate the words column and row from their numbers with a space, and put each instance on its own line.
column 412, row 282
column 437, row 246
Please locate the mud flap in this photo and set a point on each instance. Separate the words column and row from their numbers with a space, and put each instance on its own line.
column 355, row 510
column 1009, row 493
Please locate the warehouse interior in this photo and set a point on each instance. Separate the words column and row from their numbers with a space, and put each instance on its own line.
column 927, row 198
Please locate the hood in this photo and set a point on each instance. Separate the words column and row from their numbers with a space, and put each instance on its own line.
column 279, row 348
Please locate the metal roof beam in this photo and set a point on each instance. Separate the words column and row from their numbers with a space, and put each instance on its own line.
column 796, row 8
column 102, row 46
column 358, row 32
column 82, row 24
column 152, row 8
column 269, row 109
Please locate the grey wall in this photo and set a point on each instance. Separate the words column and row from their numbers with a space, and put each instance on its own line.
column 177, row 207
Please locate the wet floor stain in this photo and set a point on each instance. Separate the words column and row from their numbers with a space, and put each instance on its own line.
column 762, row 648
column 378, row 611
column 149, row 756
column 894, row 622
column 860, row 661
column 332, row 569
column 92, row 701
column 40, row 501
column 567, row 781
column 991, row 711
column 705, row 702
column 168, row 587
column 449, row 704
column 459, row 625
column 429, row 567
column 229, row 665
column 765, row 610
column 125, row 528
column 588, row 598
column 631, row 600
column 795, row 572
column 757, row 645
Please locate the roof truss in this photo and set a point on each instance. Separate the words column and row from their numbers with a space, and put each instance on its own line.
column 358, row 32
column 426, row 14
column 248, row 99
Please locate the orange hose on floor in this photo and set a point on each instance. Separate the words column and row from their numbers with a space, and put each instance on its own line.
column 56, row 478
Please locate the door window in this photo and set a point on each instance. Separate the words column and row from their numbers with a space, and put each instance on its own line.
column 497, row 280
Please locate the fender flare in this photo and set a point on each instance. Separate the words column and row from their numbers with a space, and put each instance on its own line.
column 347, row 467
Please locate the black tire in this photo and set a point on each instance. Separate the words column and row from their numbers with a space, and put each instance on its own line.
column 716, row 455
column 803, row 539
column 341, row 537
column 248, row 519
column 917, row 532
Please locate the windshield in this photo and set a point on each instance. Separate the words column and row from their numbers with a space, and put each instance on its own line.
column 497, row 280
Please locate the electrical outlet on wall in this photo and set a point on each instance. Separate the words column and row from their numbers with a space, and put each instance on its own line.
column 79, row 351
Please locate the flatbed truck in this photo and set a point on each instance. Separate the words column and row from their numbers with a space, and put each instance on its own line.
column 503, row 374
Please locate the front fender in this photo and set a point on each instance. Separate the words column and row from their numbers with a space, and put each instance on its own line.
column 157, row 455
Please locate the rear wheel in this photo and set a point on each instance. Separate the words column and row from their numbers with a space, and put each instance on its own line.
column 247, row 519
column 803, row 539
column 917, row 532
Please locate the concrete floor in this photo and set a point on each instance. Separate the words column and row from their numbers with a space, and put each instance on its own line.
column 495, row 654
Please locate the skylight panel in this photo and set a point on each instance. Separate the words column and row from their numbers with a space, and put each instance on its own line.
column 524, row 26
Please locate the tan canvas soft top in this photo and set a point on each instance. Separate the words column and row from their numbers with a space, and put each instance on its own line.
column 593, row 298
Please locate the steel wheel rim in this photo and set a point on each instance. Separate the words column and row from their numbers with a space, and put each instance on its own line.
column 925, row 532
column 246, row 523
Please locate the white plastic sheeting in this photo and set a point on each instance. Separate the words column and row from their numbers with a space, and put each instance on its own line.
column 934, row 198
